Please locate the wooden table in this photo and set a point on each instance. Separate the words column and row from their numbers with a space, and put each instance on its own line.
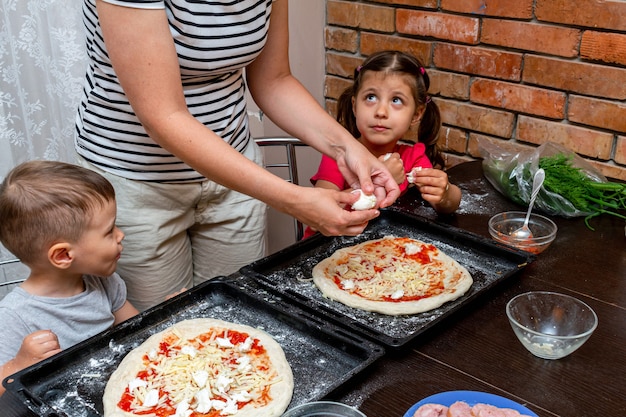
column 475, row 348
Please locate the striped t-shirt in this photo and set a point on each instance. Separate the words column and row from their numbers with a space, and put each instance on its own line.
column 214, row 41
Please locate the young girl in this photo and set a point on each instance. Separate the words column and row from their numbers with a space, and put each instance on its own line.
column 389, row 97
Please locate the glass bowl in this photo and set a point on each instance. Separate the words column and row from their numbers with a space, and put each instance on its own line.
column 550, row 325
column 323, row 409
column 543, row 230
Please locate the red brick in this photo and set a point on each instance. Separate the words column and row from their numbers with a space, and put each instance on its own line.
column 476, row 118
column 334, row 86
column 341, row 65
column 373, row 42
column 341, row 39
column 438, row 25
column 425, row 4
column 345, row 13
column 449, row 84
column 492, row 63
column 452, row 140
column 611, row 171
column 519, row 98
column 605, row 47
column 342, row 13
column 581, row 140
column 606, row 14
column 600, row 113
column 620, row 152
column 519, row 9
column 577, row 77
column 544, row 38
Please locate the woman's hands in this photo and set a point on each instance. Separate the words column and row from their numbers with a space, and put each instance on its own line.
column 326, row 210
column 362, row 170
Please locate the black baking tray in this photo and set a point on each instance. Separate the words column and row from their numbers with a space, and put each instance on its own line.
column 288, row 273
column 322, row 356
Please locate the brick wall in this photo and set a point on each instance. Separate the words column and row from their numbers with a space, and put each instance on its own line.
column 522, row 72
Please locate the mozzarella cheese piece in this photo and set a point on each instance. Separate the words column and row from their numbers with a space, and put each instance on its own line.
column 210, row 372
column 365, row 202
column 410, row 177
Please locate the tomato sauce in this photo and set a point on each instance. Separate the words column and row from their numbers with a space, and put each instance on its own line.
column 398, row 248
column 166, row 349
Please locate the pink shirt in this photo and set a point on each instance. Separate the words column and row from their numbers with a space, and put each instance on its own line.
column 412, row 156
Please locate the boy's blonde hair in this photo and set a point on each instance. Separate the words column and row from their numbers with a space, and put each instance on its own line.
column 43, row 202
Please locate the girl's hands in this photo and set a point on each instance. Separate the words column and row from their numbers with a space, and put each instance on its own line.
column 394, row 164
column 436, row 189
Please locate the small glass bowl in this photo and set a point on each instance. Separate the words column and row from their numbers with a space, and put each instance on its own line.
column 543, row 229
column 550, row 325
column 323, row 409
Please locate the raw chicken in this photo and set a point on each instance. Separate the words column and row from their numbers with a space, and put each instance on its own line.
column 431, row 410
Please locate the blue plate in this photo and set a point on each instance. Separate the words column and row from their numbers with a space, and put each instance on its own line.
column 471, row 397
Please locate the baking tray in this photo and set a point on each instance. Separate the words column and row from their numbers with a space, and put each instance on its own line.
column 288, row 273
column 322, row 357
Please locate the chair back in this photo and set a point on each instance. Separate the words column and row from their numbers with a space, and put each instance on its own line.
column 291, row 164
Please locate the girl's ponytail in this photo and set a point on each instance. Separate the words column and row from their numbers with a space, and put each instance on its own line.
column 428, row 132
column 345, row 115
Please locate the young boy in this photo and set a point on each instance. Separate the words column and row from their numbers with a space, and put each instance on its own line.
column 59, row 220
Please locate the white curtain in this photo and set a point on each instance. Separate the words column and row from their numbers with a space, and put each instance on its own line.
column 42, row 64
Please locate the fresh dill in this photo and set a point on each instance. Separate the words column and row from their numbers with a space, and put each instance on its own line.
column 587, row 195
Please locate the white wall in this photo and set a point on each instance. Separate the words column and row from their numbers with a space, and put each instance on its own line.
column 307, row 59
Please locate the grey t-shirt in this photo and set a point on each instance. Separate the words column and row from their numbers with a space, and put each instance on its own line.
column 72, row 319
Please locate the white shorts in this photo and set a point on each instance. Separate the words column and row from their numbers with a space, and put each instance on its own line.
column 178, row 235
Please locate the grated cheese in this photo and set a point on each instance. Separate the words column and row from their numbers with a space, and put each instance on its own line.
column 213, row 371
column 388, row 270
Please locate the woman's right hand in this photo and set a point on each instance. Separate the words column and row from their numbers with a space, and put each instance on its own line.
column 326, row 211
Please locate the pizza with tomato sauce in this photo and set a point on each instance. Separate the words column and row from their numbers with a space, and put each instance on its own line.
column 392, row 275
column 202, row 368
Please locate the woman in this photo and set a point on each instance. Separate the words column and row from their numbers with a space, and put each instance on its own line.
column 164, row 119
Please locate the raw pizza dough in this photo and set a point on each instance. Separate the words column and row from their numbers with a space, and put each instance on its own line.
column 196, row 361
column 392, row 275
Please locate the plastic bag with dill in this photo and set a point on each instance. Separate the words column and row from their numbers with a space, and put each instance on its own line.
column 572, row 188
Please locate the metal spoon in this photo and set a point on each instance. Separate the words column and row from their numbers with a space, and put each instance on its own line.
column 524, row 231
